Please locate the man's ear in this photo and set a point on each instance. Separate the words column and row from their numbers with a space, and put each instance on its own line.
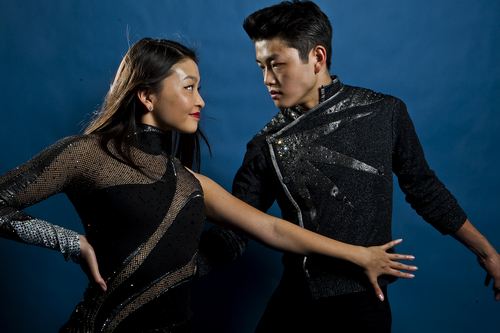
column 145, row 96
column 319, row 55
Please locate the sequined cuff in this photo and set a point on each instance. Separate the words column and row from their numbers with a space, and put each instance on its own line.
column 41, row 233
column 69, row 243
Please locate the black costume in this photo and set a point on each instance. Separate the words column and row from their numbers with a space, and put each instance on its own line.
column 144, row 230
column 331, row 171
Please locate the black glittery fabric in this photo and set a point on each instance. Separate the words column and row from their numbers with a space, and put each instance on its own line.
column 331, row 171
column 145, row 231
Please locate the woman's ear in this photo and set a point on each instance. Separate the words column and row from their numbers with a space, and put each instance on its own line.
column 144, row 95
column 320, row 56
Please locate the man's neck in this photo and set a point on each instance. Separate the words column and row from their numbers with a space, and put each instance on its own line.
column 322, row 81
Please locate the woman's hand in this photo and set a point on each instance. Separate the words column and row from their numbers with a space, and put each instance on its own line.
column 88, row 262
column 376, row 261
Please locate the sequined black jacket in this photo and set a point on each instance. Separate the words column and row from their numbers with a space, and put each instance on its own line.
column 330, row 171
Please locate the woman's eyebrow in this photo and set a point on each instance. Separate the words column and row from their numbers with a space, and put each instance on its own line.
column 191, row 77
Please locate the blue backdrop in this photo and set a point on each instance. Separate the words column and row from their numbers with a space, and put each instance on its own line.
column 442, row 58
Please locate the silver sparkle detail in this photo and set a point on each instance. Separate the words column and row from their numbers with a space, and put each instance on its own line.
column 298, row 153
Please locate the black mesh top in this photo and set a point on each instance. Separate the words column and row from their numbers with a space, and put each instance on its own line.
column 145, row 232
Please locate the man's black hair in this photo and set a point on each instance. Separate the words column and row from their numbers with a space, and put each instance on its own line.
column 301, row 25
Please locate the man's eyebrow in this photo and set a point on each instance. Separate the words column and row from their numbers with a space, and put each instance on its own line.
column 270, row 58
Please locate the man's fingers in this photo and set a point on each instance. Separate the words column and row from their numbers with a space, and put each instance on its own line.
column 487, row 280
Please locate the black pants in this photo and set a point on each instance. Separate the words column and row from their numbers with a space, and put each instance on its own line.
column 292, row 309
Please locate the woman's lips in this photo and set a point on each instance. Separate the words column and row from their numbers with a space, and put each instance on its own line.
column 195, row 115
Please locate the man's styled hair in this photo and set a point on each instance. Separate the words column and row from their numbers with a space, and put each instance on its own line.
column 301, row 25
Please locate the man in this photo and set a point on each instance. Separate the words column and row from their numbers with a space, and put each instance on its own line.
column 327, row 158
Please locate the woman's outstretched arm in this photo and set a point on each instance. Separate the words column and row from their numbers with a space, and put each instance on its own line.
column 228, row 211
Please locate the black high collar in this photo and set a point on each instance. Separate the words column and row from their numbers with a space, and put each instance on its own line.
column 328, row 90
column 151, row 140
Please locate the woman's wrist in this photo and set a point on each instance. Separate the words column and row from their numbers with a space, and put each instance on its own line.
column 357, row 255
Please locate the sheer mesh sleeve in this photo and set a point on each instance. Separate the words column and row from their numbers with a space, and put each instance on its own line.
column 48, row 173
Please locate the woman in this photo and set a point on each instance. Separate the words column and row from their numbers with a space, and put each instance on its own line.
column 142, row 209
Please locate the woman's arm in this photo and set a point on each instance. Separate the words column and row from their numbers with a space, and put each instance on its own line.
column 36, row 180
column 46, row 174
column 226, row 210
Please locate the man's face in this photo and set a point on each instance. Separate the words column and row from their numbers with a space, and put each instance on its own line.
column 289, row 80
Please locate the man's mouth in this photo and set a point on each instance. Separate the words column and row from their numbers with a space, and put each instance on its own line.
column 275, row 94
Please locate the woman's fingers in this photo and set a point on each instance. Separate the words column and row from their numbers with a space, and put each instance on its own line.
column 400, row 265
column 376, row 287
column 94, row 271
column 390, row 244
column 394, row 268
column 89, row 263
column 397, row 256
column 399, row 274
column 397, row 264
column 383, row 263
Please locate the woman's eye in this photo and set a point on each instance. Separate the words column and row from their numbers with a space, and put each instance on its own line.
column 189, row 87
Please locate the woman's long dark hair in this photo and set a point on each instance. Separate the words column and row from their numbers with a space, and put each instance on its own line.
column 146, row 65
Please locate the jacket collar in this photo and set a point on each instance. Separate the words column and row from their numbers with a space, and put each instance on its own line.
column 325, row 92
column 289, row 115
column 328, row 90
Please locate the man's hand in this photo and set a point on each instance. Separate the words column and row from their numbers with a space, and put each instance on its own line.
column 487, row 256
column 491, row 265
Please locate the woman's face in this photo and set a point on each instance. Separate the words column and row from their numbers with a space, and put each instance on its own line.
column 177, row 106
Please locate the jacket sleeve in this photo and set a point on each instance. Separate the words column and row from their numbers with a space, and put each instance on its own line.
column 426, row 194
column 220, row 246
column 41, row 177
